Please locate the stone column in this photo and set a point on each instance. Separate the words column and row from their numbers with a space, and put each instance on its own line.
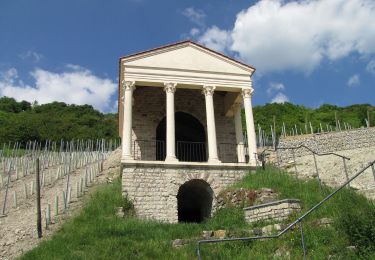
column 239, row 135
column 251, row 139
column 128, row 88
column 208, row 92
column 170, row 89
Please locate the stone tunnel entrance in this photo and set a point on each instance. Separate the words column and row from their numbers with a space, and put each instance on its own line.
column 194, row 201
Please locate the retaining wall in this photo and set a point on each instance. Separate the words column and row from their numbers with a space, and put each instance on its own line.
column 327, row 142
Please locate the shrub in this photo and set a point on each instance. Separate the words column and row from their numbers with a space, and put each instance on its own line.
column 359, row 229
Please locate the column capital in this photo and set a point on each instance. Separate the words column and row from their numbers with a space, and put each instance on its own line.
column 208, row 90
column 170, row 87
column 247, row 92
column 128, row 85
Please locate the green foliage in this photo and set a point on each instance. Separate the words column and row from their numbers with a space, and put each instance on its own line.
column 296, row 115
column 359, row 229
column 11, row 105
column 22, row 122
column 128, row 207
column 96, row 233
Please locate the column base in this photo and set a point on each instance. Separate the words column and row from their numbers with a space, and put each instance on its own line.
column 171, row 159
column 253, row 162
column 128, row 158
column 213, row 160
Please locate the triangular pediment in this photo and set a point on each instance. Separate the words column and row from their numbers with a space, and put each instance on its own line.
column 187, row 56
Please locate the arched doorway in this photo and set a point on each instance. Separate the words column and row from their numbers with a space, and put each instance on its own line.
column 190, row 138
column 194, row 201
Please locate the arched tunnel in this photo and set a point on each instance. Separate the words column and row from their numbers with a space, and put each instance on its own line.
column 194, row 201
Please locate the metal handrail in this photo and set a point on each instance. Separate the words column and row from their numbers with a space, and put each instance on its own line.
column 311, row 150
column 298, row 220
column 303, row 146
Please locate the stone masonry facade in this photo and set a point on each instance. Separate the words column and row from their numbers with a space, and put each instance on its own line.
column 149, row 109
column 327, row 142
column 153, row 188
column 276, row 210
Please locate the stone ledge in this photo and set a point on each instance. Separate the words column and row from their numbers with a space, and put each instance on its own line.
column 276, row 210
column 188, row 165
column 277, row 202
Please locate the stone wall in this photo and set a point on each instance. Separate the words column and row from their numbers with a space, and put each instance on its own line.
column 153, row 188
column 276, row 210
column 150, row 107
column 327, row 142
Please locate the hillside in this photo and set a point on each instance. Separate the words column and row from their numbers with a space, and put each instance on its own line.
column 22, row 121
column 97, row 233
column 297, row 115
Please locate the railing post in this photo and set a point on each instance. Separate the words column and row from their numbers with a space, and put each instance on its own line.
column 373, row 171
column 302, row 240
column 317, row 172
column 346, row 171
column 294, row 160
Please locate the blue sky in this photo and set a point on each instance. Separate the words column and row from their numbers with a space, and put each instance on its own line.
column 307, row 52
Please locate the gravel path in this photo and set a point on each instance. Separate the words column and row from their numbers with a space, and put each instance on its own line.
column 18, row 228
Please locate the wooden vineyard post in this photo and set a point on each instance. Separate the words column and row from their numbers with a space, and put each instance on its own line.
column 38, row 209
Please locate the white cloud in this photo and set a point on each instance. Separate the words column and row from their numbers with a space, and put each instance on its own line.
column 275, row 86
column 371, row 67
column 354, row 81
column 276, row 35
column 280, row 98
column 216, row 39
column 9, row 76
column 31, row 55
column 194, row 32
column 77, row 85
column 196, row 16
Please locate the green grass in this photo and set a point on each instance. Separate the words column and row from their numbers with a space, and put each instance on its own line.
column 96, row 233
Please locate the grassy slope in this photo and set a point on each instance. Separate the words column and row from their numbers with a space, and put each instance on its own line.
column 97, row 234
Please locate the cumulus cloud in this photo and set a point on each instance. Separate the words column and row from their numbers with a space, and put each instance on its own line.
column 76, row 85
column 354, row 81
column 280, row 98
column 31, row 55
column 196, row 16
column 275, row 86
column 216, row 39
column 276, row 35
column 194, row 32
column 371, row 67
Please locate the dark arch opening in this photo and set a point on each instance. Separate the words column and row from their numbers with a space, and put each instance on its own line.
column 190, row 138
column 194, row 201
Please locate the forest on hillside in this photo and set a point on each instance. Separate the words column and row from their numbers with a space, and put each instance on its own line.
column 300, row 116
column 23, row 121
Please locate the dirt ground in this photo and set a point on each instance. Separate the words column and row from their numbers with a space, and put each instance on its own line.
column 18, row 232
